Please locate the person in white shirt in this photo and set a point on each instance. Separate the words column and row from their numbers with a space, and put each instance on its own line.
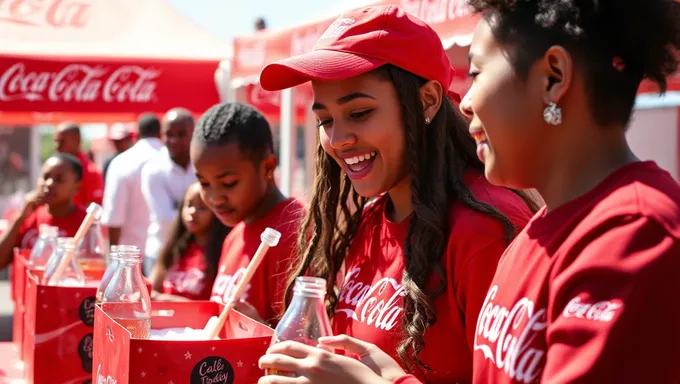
column 165, row 179
column 126, row 214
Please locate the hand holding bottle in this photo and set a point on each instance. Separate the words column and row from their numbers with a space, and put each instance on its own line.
column 316, row 365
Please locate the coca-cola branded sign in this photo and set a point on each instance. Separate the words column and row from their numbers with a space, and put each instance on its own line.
column 80, row 83
column 92, row 86
column 437, row 11
column 46, row 13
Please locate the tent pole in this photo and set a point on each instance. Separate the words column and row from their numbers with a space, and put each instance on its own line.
column 287, row 136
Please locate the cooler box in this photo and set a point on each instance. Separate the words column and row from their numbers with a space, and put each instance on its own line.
column 58, row 328
column 120, row 359
column 17, row 281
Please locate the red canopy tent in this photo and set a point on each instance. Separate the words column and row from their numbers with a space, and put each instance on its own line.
column 102, row 61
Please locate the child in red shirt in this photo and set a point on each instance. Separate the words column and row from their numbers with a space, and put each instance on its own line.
column 588, row 292
column 413, row 266
column 50, row 203
column 187, row 265
column 232, row 152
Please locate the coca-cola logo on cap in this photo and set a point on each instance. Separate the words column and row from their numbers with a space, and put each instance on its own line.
column 86, row 311
column 212, row 370
column 81, row 83
column 51, row 13
column 85, row 352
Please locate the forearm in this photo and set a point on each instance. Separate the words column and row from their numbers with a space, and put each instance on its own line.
column 8, row 240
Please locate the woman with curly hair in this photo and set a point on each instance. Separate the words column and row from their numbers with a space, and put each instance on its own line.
column 588, row 292
column 407, row 273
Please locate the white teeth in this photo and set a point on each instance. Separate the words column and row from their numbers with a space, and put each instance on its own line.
column 360, row 158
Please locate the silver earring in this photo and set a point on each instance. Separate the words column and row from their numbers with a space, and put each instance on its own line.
column 427, row 121
column 552, row 114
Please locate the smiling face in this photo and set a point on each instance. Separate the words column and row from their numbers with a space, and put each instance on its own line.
column 232, row 185
column 506, row 114
column 361, row 128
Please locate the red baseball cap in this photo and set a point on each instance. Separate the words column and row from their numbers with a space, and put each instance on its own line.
column 120, row 131
column 362, row 40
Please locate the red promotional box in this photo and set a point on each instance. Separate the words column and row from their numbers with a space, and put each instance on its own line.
column 120, row 359
column 58, row 328
column 17, row 279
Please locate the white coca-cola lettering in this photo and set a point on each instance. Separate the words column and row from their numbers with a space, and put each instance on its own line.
column 189, row 281
column 87, row 347
column 213, row 373
column 130, row 83
column 225, row 286
column 104, row 380
column 437, row 11
column 603, row 311
column 513, row 331
column 52, row 13
column 374, row 305
column 81, row 83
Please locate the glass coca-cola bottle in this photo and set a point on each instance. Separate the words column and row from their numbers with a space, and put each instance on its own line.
column 305, row 320
column 43, row 248
column 92, row 248
column 111, row 269
column 126, row 298
column 72, row 275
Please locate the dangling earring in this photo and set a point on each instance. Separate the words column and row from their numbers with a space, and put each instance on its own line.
column 427, row 121
column 552, row 114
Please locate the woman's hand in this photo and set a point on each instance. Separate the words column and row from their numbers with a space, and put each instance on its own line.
column 314, row 365
column 373, row 357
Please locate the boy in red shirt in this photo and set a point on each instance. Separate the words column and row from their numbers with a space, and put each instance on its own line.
column 589, row 291
column 232, row 151
column 50, row 203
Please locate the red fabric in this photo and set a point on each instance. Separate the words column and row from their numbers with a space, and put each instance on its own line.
column 187, row 278
column 588, row 293
column 266, row 288
column 360, row 41
column 92, row 185
column 68, row 225
column 370, row 303
column 96, row 85
column 408, row 379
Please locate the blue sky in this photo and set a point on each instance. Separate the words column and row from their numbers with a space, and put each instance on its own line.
column 229, row 18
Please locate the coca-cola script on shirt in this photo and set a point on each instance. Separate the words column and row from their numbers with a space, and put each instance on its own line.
column 224, row 288
column 378, row 305
column 83, row 83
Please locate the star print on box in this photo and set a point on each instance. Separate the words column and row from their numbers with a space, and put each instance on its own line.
column 232, row 359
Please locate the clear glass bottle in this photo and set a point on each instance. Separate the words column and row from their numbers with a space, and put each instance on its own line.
column 92, row 248
column 43, row 248
column 73, row 275
column 111, row 269
column 306, row 319
column 126, row 298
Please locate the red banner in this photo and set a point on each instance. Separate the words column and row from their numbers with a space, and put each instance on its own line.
column 269, row 103
column 88, row 85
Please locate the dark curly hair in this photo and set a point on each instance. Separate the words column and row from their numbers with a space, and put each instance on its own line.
column 643, row 35
column 235, row 122
column 445, row 153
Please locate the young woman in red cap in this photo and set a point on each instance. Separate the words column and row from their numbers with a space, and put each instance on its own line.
column 589, row 291
column 411, row 268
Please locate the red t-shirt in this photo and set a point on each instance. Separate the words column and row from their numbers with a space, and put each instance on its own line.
column 187, row 278
column 68, row 225
column 589, row 292
column 266, row 289
column 370, row 303
column 92, row 185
